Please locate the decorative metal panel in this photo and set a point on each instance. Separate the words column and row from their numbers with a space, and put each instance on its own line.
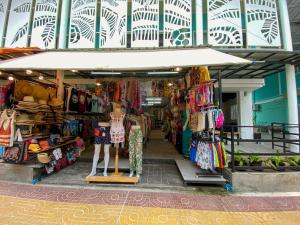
column 3, row 11
column 18, row 24
column 82, row 24
column 224, row 23
column 199, row 22
column 44, row 24
column 178, row 23
column 262, row 23
column 113, row 23
column 145, row 23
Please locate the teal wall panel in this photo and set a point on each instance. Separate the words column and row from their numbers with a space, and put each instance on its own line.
column 270, row 112
column 270, row 90
column 273, row 100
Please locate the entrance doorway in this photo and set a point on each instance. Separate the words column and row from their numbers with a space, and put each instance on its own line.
column 230, row 109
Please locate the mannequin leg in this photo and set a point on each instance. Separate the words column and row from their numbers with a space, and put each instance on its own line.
column 106, row 159
column 95, row 159
column 139, row 159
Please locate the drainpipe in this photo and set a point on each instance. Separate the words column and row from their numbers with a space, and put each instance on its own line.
column 290, row 71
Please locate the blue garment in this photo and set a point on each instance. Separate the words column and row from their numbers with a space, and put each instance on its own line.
column 102, row 135
column 2, row 150
column 186, row 136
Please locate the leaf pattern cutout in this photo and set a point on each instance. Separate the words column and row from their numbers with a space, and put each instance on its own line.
column 145, row 18
column 20, row 33
column 226, row 34
column 216, row 4
column 25, row 7
column 224, row 23
column 83, row 21
column 112, row 18
column 262, row 16
column 145, row 32
column 228, row 13
column 103, row 36
column 74, row 34
column 48, row 34
column 86, row 27
column 270, row 29
column 178, row 20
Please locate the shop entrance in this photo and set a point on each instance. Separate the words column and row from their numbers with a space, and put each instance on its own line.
column 230, row 109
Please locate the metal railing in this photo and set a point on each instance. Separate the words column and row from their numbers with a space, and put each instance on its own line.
column 284, row 130
column 285, row 140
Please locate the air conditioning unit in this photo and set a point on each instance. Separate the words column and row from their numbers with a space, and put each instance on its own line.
column 256, row 108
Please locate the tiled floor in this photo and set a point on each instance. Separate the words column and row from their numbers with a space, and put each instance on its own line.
column 26, row 204
column 159, row 175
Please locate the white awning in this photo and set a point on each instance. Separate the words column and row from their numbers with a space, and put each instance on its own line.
column 122, row 60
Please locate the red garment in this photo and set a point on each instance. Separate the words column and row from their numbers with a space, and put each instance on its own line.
column 117, row 94
column 82, row 101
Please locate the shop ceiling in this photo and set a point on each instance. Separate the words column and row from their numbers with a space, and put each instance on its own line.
column 264, row 63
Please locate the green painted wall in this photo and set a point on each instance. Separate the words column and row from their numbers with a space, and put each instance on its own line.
column 272, row 100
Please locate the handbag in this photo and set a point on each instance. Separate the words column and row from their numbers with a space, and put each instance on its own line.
column 15, row 153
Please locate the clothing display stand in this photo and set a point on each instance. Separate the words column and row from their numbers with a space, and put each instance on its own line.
column 117, row 137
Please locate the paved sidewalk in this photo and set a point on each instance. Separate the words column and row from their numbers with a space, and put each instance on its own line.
column 26, row 204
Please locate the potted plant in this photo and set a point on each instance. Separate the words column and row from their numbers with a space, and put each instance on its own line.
column 239, row 162
column 256, row 163
column 279, row 163
column 294, row 163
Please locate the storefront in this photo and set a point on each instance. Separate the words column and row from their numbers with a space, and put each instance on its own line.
column 58, row 122
column 135, row 64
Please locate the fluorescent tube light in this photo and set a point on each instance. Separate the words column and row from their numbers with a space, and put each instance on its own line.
column 163, row 72
column 106, row 73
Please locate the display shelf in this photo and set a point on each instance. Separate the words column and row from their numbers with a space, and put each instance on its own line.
column 38, row 123
column 53, row 147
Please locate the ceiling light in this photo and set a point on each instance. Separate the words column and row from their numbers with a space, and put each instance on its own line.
column 98, row 84
column 41, row 77
column 74, row 71
column 28, row 72
column 178, row 69
column 105, row 73
column 162, row 72
column 11, row 78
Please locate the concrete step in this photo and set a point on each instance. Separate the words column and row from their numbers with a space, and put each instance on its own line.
column 191, row 174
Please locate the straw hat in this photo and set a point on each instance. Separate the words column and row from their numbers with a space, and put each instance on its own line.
column 44, row 144
column 42, row 102
column 40, row 93
column 24, row 118
column 34, row 147
column 28, row 99
column 38, row 118
column 22, row 89
column 55, row 102
column 43, row 158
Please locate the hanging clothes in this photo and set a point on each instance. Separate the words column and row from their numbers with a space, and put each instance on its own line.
column 82, row 101
column 74, row 100
column 94, row 103
column 88, row 104
column 7, row 129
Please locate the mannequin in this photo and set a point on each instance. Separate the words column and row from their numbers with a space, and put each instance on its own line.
column 102, row 136
column 135, row 150
column 117, row 131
